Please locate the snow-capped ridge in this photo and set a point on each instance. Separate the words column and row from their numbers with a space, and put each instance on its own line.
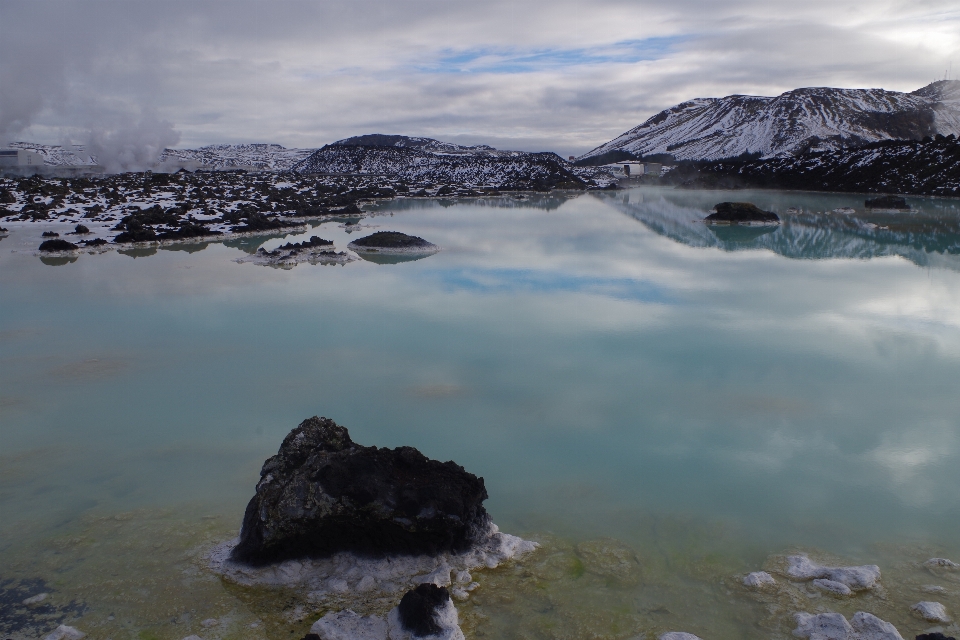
column 807, row 119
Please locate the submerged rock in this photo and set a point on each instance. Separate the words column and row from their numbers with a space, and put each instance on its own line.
column 759, row 580
column 931, row 611
column 833, row 626
column 610, row 559
column 854, row 578
column 64, row 632
column 741, row 213
column 941, row 563
column 322, row 494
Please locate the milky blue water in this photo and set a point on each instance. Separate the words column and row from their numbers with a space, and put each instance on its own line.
column 609, row 364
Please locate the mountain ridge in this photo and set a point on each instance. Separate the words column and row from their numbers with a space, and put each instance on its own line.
column 797, row 121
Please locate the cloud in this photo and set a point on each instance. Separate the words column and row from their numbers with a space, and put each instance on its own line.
column 558, row 75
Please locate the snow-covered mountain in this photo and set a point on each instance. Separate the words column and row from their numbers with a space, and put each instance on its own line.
column 423, row 160
column 815, row 119
column 218, row 157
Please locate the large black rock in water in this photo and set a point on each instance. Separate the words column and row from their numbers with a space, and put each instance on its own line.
column 887, row 202
column 323, row 493
column 392, row 240
column 737, row 212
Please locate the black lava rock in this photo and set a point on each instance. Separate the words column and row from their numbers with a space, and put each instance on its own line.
column 313, row 242
column 322, row 493
column 737, row 212
column 418, row 609
column 934, row 636
column 312, row 636
column 886, row 202
column 391, row 240
column 57, row 245
column 50, row 234
column 96, row 242
column 81, row 229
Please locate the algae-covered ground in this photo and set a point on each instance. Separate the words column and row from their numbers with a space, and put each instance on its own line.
column 143, row 575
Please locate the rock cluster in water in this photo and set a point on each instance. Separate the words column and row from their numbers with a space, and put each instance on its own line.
column 741, row 213
column 322, row 494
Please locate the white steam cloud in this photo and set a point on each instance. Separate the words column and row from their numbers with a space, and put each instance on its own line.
column 132, row 145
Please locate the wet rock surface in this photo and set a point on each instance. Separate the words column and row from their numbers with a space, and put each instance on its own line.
column 741, row 213
column 322, row 493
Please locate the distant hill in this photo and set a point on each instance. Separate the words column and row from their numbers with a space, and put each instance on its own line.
column 218, row 157
column 420, row 160
column 262, row 157
column 410, row 142
column 798, row 121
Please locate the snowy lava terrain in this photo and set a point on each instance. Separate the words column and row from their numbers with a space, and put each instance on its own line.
column 814, row 119
column 927, row 167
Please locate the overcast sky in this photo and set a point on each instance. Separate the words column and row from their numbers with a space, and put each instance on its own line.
column 532, row 75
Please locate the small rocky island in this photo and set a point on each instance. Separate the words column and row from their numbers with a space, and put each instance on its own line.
column 741, row 213
column 387, row 532
column 886, row 203
column 392, row 242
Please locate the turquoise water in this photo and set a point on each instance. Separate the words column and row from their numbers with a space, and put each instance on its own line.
column 611, row 366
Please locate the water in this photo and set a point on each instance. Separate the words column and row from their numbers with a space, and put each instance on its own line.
column 626, row 379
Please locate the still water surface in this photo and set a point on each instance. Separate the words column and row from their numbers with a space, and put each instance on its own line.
column 624, row 377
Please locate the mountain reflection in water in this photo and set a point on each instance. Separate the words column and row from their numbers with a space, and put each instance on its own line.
column 809, row 230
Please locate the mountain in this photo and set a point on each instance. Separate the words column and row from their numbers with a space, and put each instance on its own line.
column 218, row 157
column 423, row 161
column 814, row 119
column 409, row 142
column 927, row 167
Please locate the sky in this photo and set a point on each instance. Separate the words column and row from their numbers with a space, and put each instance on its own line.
column 530, row 75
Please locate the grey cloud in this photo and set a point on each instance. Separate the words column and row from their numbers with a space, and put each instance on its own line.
column 307, row 73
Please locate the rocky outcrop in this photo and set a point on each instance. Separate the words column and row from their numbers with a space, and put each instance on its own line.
column 391, row 241
column 741, row 213
column 322, row 493
column 57, row 245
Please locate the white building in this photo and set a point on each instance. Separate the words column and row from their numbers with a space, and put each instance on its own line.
column 20, row 158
